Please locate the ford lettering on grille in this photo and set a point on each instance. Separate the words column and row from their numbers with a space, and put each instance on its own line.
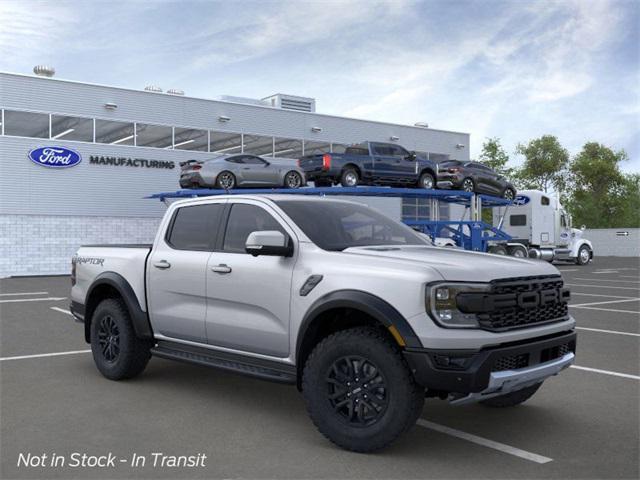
column 55, row 157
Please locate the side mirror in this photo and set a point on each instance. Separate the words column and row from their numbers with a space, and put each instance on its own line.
column 412, row 156
column 268, row 242
column 583, row 227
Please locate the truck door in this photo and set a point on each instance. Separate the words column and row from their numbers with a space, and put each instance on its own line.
column 383, row 161
column 248, row 297
column 565, row 230
column 404, row 166
column 177, row 269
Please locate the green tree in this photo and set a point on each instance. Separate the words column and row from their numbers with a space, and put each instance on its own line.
column 545, row 164
column 600, row 195
column 494, row 156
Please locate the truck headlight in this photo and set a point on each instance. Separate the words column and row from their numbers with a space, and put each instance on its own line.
column 442, row 304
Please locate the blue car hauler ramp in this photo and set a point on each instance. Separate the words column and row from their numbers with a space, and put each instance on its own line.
column 472, row 234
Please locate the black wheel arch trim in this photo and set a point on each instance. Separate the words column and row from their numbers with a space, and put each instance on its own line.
column 139, row 317
column 374, row 306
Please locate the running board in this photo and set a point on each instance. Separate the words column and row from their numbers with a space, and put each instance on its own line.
column 254, row 367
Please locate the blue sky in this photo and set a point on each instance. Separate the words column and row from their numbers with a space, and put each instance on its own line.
column 514, row 69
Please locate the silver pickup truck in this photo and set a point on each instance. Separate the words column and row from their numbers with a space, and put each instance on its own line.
column 355, row 309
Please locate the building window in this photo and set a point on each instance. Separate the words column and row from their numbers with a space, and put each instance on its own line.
column 71, row 128
column 287, row 148
column 191, row 139
column 157, row 136
column 114, row 133
column 26, row 124
column 313, row 148
column 225, row 143
column 258, row 145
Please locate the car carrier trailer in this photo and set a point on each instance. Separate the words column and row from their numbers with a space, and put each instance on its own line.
column 471, row 234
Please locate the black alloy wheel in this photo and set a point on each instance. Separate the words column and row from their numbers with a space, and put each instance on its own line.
column 109, row 338
column 357, row 390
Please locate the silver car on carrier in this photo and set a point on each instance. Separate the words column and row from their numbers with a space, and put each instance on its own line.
column 241, row 170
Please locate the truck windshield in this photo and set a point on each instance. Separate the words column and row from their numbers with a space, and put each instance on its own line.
column 336, row 226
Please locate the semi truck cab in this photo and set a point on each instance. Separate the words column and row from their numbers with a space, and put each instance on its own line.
column 538, row 222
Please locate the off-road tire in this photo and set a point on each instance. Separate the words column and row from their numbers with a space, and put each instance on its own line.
column 347, row 175
column 133, row 353
column 424, row 179
column 404, row 397
column 512, row 399
column 579, row 258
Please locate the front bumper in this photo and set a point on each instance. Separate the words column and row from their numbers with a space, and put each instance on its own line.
column 473, row 375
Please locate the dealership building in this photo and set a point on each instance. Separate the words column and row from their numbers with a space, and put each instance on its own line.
column 128, row 145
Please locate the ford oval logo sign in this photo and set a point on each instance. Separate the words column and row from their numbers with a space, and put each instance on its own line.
column 521, row 200
column 55, row 157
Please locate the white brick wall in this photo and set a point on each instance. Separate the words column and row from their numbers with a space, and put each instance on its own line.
column 44, row 245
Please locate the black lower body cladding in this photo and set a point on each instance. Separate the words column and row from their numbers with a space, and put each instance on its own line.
column 468, row 371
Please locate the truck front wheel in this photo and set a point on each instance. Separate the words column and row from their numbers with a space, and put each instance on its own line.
column 358, row 390
column 584, row 255
column 512, row 399
column 117, row 352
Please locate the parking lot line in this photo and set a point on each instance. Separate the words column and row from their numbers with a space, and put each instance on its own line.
column 40, row 355
column 15, row 300
column 569, row 269
column 608, row 301
column 485, row 442
column 598, row 295
column 606, row 280
column 607, row 372
column 608, row 331
column 606, row 309
column 604, row 272
column 61, row 310
column 23, row 293
column 613, row 287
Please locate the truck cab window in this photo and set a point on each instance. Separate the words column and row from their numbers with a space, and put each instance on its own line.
column 195, row 228
column 544, row 200
column 243, row 220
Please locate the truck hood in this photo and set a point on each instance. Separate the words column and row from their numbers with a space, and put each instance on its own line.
column 460, row 266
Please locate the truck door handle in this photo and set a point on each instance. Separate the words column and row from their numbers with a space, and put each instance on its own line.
column 222, row 268
column 162, row 264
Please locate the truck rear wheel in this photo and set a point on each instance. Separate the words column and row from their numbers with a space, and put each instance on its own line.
column 358, row 390
column 349, row 178
column 512, row 399
column 117, row 351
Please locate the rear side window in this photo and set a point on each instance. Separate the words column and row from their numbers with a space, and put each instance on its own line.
column 195, row 228
column 243, row 220
column 356, row 151
column 518, row 220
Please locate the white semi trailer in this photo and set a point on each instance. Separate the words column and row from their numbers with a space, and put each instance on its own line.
column 541, row 228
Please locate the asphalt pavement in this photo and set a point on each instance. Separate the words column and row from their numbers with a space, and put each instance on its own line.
column 582, row 424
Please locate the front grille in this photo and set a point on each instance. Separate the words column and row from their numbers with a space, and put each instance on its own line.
column 525, row 301
column 556, row 352
column 511, row 362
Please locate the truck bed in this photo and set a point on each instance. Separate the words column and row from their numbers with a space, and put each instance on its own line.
column 129, row 260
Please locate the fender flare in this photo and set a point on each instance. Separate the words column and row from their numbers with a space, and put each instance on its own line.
column 139, row 318
column 580, row 243
column 374, row 306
